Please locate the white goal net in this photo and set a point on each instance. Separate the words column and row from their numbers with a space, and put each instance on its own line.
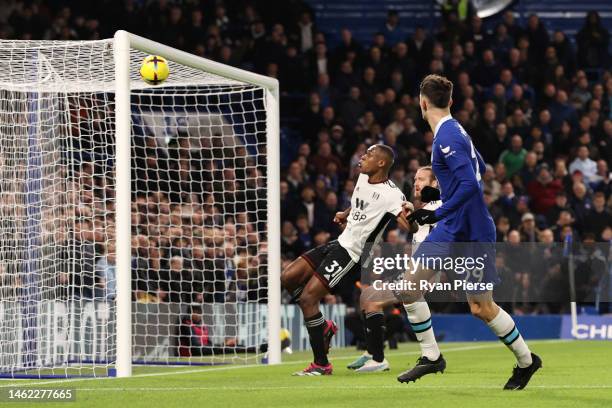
column 199, row 213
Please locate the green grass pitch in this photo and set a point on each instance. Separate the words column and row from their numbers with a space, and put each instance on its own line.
column 575, row 374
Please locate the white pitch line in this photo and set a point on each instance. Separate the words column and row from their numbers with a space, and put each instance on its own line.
column 340, row 386
column 227, row 368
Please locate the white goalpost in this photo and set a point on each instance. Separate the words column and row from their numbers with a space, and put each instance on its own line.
column 139, row 224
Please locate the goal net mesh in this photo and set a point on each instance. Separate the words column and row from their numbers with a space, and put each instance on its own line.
column 199, row 244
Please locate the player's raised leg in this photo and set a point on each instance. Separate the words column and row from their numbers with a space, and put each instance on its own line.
column 502, row 324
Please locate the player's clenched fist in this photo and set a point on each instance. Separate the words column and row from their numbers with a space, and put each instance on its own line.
column 407, row 208
column 341, row 217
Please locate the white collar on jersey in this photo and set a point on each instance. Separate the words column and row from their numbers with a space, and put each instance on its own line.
column 444, row 119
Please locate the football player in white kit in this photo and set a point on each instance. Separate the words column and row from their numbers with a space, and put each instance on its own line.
column 419, row 316
column 374, row 203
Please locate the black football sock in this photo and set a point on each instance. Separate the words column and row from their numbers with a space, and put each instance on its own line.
column 315, row 326
column 375, row 335
column 364, row 332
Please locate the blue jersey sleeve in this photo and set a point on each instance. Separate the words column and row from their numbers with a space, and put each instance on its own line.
column 459, row 161
column 482, row 166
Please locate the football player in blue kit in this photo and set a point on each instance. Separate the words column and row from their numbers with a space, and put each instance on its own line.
column 463, row 227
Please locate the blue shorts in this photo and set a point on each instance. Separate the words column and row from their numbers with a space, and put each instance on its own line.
column 472, row 261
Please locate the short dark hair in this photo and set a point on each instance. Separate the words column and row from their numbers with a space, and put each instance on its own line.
column 388, row 153
column 437, row 89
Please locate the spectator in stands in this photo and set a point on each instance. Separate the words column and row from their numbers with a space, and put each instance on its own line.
column 580, row 203
column 593, row 40
column 324, row 215
column 77, row 259
column 590, row 269
column 538, row 39
column 304, row 232
column 324, row 155
column 490, row 183
column 194, row 334
column 601, row 181
column 420, row 46
column 561, row 204
column 352, row 108
column 527, row 229
column 502, row 228
column 291, row 69
column 528, row 172
column 496, row 145
column 318, row 61
column 514, row 30
column 581, row 93
column 561, row 110
column 543, row 190
column 312, row 116
column 514, row 158
column 306, row 205
column 584, row 164
column 291, row 244
column 106, row 274
column 502, row 42
column 506, row 204
column 564, row 226
column 487, row 73
column 348, row 45
column 295, row 179
column 598, row 217
column 306, row 32
column 476, row 34
column 391, row 29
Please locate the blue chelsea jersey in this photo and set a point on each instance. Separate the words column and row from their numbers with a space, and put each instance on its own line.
column 459, row 167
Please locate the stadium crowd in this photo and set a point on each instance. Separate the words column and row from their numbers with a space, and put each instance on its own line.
column 537, row 105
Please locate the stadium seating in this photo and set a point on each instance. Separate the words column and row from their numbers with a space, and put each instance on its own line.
column 365, row 17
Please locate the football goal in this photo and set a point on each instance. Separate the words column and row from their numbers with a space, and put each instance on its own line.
column 139, row 223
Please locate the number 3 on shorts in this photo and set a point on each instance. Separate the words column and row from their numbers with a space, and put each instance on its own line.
column 331, row 269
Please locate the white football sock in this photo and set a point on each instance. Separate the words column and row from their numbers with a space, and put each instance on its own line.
column 503, row 326
column 419, row 317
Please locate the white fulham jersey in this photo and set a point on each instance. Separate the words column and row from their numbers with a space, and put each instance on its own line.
column 424, row 230
column 372, row 207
